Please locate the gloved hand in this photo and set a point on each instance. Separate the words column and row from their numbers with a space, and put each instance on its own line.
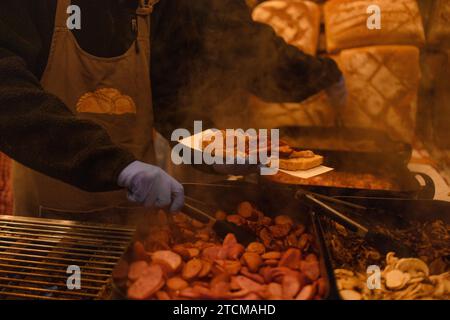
column 337, row 94
column 151, row 186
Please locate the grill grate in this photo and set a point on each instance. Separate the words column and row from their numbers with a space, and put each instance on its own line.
column 35, row 255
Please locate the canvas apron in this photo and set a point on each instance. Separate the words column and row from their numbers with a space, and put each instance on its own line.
column 113, row 92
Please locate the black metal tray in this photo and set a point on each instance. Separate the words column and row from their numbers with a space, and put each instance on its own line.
column 382, row 157
column 396, row 212
column 227, row 195
column 349, row 144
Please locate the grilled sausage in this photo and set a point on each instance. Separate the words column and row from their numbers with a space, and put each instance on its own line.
column 168, row 258
column 291, row 286
column 310, row 269
column 245, row 210
column 206, row 268
column 256, row 247
column 191, row 269
column 147, row 285
column 252, row 260
column 272, row 255
column 235, row 251
column 307, row 293
column 177, row 283
column 137, row 269
column 291, row 259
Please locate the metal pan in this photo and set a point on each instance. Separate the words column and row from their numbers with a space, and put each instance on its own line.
column 390, row 179
column 359, row 144
column 404, row 210
column 228, row 195
column 274, row 201
column 355, row 153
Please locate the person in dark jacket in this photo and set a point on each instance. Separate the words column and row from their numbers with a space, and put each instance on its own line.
column 76, row 105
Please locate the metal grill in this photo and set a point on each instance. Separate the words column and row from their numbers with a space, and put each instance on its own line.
column 36, row 253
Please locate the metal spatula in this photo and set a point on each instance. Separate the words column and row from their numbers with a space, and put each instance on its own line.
column 220, row 227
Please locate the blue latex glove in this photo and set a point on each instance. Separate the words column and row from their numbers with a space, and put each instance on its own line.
column 151, row 186
column 337, row 94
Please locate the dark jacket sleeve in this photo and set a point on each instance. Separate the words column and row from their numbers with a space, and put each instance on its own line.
column 205, row 50
column 36, row 128
column 264, row 63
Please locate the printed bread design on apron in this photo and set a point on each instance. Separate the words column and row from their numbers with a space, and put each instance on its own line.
column 106, row 101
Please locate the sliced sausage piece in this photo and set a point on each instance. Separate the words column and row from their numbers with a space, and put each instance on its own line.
column 307, row 293
column 251, row 296
column 280, row 272
column 229, row 240
column 240, row 294
column 310, row 269
column 256, row 247
column 182, row 251
column 236, row 219
column 299, row 229
column 220, row 290
column 212, row 252
column 206, row 269
column 203, row 235
column 254, row 276
column 197, row 224
column 232, row 266
column 222, row 254
column 304, row 241
column 291, row 240
column 169, row 258
column 193, row 252
column 221, row 277
column 248, row 284
column 280, row 230
column 180, row 218
column 235, row 251
column 266, row 237
column 204, row 293
column 272, row 255
column 177, row 283
column 291, row 259
column 266, row 273
column 191, row 269
column 274, row 291
column 137, row 269
column 291, row 286
column 311, row 257
column 252, row 260
column 271, row 262
column 283, row 219
column 245, row 210
column 265, row 221
column 162, row 295
column 147, row 285
column 189, row 293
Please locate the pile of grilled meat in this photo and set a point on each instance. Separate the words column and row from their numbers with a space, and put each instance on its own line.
column 181, row 258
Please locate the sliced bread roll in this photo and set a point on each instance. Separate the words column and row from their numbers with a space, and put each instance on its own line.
column 295, row 164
